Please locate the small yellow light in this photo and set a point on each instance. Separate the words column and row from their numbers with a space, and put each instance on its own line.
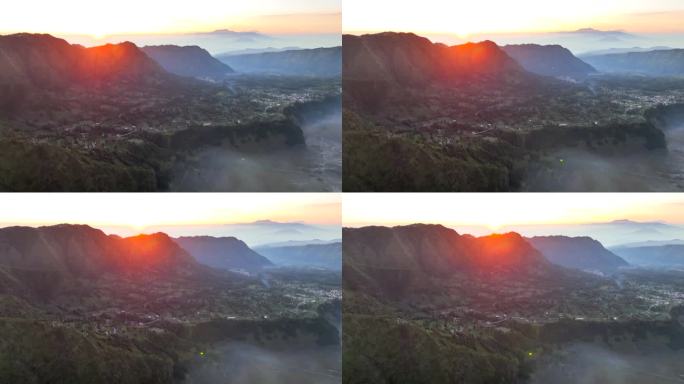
column 530, row 353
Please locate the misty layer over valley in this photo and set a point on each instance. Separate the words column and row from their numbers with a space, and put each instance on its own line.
column 484, row 116
column 630, row 168
column 240, row 363
column 315, row 165
column 119, row 117
column 304, row 359
column 424, row 303
column 158, row 309
column 592, row 364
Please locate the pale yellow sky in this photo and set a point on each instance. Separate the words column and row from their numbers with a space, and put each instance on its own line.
column 467, row 17
column 499, row 210
column 138, row 211
column 101, row 17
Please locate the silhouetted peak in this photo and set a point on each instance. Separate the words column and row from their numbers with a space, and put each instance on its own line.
column 212, row 239
column 623, row 221
column 549, row 60
column 581, row 252
column 151, row 243
column 72, row 230
column 561, row 237
column 223, row 252
column 484, row 44
column 514, row 236
column 158, row 237
column 406, row 59
column 32, row 38
column 436, row 228
column 505, row 242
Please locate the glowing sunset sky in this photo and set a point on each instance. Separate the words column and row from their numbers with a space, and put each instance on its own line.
column 102, row 18
column 502, row 210
column 469, row 17
column 140, row 211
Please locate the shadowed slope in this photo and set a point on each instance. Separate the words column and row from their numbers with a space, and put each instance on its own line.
column 223, row 252
column 191, row 61
column 45, row 61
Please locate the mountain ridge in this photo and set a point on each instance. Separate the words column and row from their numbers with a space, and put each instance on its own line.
column 326, row 255
column 316, row 62
column 669, row 62
column 227, row 253
column 437, row 250
column 43, row 260
column 44, row 61
column 189, row 61
column 659, row 256
column 549, row 60
column 582, row 252
column 412, row 60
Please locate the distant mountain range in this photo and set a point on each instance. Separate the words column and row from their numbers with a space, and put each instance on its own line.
column 190, row 61
column 319, row 62
column 249, row 35
column 46, row 62
column 227, row 253
column 654, row 63
column 579, row 40
column 582, row 253
column 610, row 234
column 218, row 41
column 264, row 232
column 606, row 36
column 610, row 51
column 326, row 256
column 663, row 256
column 252, row 51
column 293, row 243
column 650, row 243
column 549, row 60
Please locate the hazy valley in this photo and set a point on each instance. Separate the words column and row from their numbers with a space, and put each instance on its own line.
column 151, row 308
column 423, row 116
column 161, row 118
column 424, row 303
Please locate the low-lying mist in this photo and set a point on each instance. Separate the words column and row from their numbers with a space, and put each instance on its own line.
column 591, row 364
column 583, row 170
column 315, row 167
column 241, row 363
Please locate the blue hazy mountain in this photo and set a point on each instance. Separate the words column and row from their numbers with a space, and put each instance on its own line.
column 549, row 60
column 189, row 61
column 582, row 253
column 319, row 62
column 653, row 63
